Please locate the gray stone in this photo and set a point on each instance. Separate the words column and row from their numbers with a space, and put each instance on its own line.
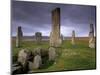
column 23, row 57
column 73, row 38
column 51, row 39
column 37, row 51
column 37, row 62
column 38, row 36
column 91, row 37
column 58, row 44
column 55, row 39
column 19, row 36
column 52, row 54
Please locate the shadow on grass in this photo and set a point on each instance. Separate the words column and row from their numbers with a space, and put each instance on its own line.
column 47, row 64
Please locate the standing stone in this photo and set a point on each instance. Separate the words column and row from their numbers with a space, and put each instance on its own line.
column 19, row 36
column 55, row 33
column 38, row 36
column 37, row 62
column 62, row 38
column 73, row 38
column 52, row 54
column 91, row 37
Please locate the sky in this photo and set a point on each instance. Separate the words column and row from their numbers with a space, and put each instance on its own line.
column 36, row 17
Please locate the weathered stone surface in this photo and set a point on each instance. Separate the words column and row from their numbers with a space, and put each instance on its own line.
column 37, row 51
column 23, row 57
column 52, row 54
column 91, row 37
column 73, row 38
column 91, row 42
column 92, row 45
column 51, row 39
column 55, row 33
column 19, row 36
column 37, row 62
column 38, row 36
column 58, row 43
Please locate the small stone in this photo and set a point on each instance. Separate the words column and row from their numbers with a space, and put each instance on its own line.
column 22, row 56
column 23, row 59
column 52, row 54
column 37, row 62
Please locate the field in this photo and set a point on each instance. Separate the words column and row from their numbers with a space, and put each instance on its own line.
column 78, row 57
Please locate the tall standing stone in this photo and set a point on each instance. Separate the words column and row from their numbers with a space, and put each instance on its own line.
column 91, row 37
column 19, row 36
column 55, row 33
column 38, row 36
column 73, row 38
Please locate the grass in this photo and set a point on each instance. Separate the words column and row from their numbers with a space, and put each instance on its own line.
column 78, row 57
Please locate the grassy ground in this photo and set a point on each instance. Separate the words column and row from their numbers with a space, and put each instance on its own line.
column 78, row 57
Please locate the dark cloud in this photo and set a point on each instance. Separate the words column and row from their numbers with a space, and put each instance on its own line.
column 34, row 16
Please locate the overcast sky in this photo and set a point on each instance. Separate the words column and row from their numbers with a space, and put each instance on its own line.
column 36, row 17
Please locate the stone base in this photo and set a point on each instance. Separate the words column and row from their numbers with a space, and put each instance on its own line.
column 92, row 45
column 56, row 44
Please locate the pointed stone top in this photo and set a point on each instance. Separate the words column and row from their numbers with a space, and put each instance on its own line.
column 56, row 9
column 19, row 27
column 73, row 31
column 91, row 25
